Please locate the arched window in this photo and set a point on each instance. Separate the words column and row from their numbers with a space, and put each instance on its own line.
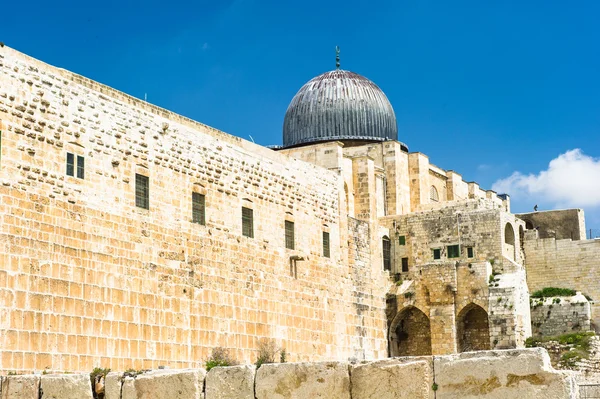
column 528, row 225
column 433, row 194
column 509, row 234
column 387, row 253
column 473, row 329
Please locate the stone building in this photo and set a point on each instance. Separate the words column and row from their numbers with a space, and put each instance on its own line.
column 132, row 237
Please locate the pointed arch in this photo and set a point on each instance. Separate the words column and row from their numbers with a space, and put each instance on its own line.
column 410, row 333
column 433, row 194
column 473, row 329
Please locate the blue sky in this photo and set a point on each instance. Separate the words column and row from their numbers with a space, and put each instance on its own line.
column 503, row 92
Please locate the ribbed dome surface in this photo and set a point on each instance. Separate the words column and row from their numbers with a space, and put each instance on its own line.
column 339, row 105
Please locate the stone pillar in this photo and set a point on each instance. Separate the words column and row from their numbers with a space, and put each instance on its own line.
column 395, row 164
column 418, row 171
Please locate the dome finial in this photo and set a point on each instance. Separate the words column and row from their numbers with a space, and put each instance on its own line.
column 337, row 57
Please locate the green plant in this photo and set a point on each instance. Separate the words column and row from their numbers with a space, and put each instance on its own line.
column 267, row 350
column 552, row 291
column 556, row 300
column 133, row 373
column 399, row 283
column 434, row 387
column 95, row 377
column 219, row 357
column 409, row 294
column 12, row 373
column 282, row 356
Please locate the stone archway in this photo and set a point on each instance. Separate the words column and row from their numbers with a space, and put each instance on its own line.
column 473, row 329
column 410, row 333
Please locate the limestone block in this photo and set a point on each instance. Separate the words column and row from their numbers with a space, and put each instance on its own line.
column 329, row 380
column 66, row 386
column 21, row 387
column 501, row 374
column 400, row 378
column 230, row 382
column 165, row 384
column 112, row 385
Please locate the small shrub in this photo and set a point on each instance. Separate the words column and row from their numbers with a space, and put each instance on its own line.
column 552, row 291
column 282, row 356
column 267, row 351
column 409, row 294
column 219, row 357
column 434, row 387
column 133, row 373
column 556, row 300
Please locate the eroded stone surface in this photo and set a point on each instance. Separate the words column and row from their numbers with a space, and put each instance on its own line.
column 165, row 384
column 510, row 374
column 112, row 385
column 20, row 387
column 303, row 380
column 401, row 378
column 230, row 382
column 66, row 386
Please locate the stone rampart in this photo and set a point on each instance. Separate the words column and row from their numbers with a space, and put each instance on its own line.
column 518, row 374
column 90, row 279
column 560, row 315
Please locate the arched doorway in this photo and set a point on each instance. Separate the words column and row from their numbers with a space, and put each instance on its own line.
column 410, row 333
column 473, row 329
column 509, row 241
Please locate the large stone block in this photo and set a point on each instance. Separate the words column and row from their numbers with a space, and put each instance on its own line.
column 21, row 387
column 329, row 380
column 399, row 378
column 503, row 374
column 66, row 386
column 112, row 385
column 230, row 382
column 165, row 384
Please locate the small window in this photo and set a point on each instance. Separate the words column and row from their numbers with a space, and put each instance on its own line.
column 470, row 253
column 387, row 252
column 289, row 234
column 433, row 194
column 402, row 240
column 326, row 252
column 404, row 265
column 437, row 253
column 142, row 191
column 247, row 222
column 453, row 251
column 73, row 167
column 198, row 208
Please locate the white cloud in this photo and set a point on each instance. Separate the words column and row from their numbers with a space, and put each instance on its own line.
column 571, row 180
column 205, row 46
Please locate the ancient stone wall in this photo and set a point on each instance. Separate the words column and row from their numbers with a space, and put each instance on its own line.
column 522, row 374
column 565, row 264
column 560, row 315
column 88, row 279
column 559, row 224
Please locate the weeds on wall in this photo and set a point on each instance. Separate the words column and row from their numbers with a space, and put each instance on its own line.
column 574, row 348
column 552, row 291
column 220, row 357
column 267, row 352
column 97, row 378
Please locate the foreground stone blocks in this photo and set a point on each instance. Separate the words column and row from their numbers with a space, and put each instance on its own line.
column 164, row 384
column 66, row 386
column 400, row 378
column 230, row 382
column 21, row 387
column 303, row 380
column 510, row 374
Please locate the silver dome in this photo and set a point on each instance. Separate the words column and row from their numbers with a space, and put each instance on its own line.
column 339, row 105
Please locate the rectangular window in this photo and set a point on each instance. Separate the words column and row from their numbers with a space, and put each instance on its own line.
column 289, row 234
column 80, row 167
column 402, row 240
column 247, row 222
column 326, row 252
column 70, row 164
column 73, row 167
column 387, row 254
column 453, row 251
column 198, row 209
column 470, row 253
column 142, row 191
column 437, row 253
column 404, row 265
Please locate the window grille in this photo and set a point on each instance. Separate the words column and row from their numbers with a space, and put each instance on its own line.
column 70, row 164
column 326, row 251
column 198, row 208
column 80, row 167
column 75, row 169
column 433, row 194
column 142, row 191
column 404, row 265
column 247, row 222
column 289, row 234
column 387, row 254
column 453, row 251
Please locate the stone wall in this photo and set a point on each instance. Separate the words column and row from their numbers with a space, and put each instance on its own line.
column 89, row 279
column 559, row 224
column 560, row 315
column 518, row 374
column 564, row 264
